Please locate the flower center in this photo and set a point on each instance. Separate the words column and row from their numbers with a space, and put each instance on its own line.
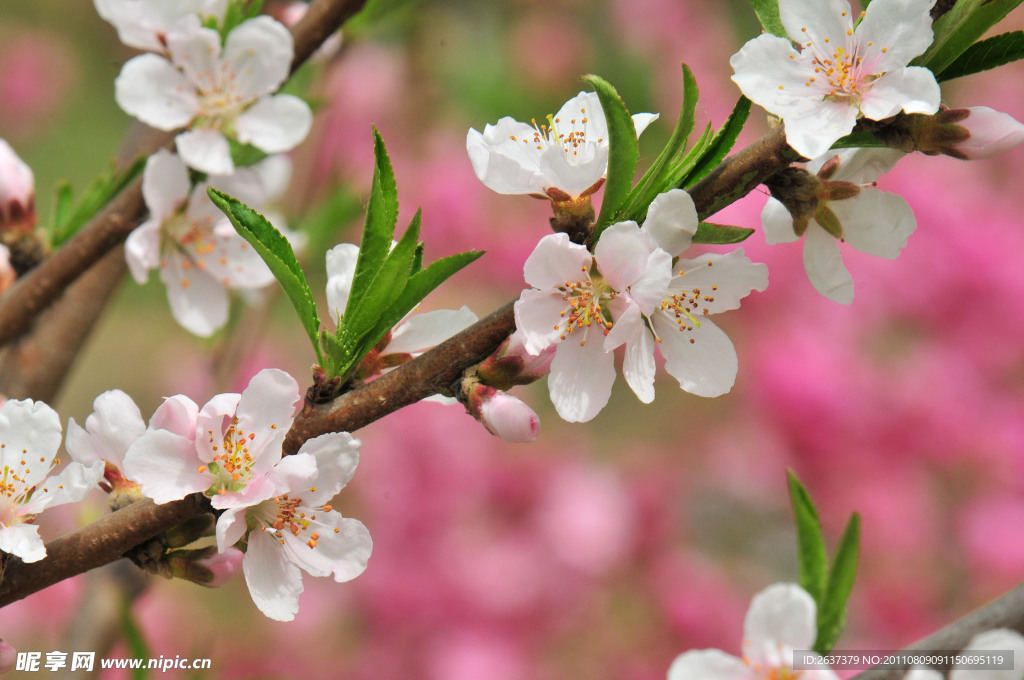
column 570, row 136
column 219, row 95
column 289, row 515
column 843, row 66
column 586, row 299
column 14, row 485
column 685, row 306
column 232, row 463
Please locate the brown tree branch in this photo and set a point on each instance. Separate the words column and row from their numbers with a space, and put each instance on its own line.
column 1006, row 611
column 38, row 289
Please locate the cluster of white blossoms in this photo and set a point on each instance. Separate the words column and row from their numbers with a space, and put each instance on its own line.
column 217, row 91
column 634, row 290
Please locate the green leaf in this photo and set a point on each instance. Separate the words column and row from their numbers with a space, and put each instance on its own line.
column 861, row 139
column 959, row 28
column 69, row 219
column 809, row 539
column 421, row 284
column 721, row 144
column 841, row 576
column 364, row 313
column 655, row 180
column 985, row 55
column 244, row 155
column 275, row 250
column 768, row 14
column 709, row 232
column 134, row 639
column 379, row 227
column 623, row 153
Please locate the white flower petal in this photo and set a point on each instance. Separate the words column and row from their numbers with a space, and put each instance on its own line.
column 165, row 466
column 274, row 583
column 812, row 131
column 538, row 318
column 231, row 526
column 114, row 425
column 991, row 640
column 30, row 432
column 902, row 27
column 151, row 89
column 727, row 278
column 505, row 157
column 912, row 89
column 177, row 414
column 824, row 265
column 671, row 221
column 22, row 540
column 165, row 185
column 230, row 259
column 638, row 366
column 423, row 331
column 781, row 618
column 73, row 483
column 556, row 260
column 575, row 168
column 708, row 664
column 336, row 455
column 649, row 290
column 706, row 366
column 875, row 222
column 196, row 51
column 265, row 413
column 621, row 255
column 275, row 124
column 342, row 554
column 198, row 302
column 206, row 150
column 860, row 166
column 142, row 250
column 341, row 267
column 642, row 120
column 777, row 223
column 770, row 72
column 812, row 21
column 581, row 378
column 260, row 52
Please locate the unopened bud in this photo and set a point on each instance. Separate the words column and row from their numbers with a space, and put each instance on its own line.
column 968, row 134
column 17, row 192
column 205, row 566
column 512, row 365
column 502, row 414
column 8, row 655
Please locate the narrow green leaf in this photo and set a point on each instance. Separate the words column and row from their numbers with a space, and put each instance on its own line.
column 655, row 180
column 69, row 218
column 985, row 55
column 417, row 260
column 379, row 227
column 62, row 207
column 709, row 232
column 768, row 14
column 134, row 639
column 721, row 144
column 841, row 577
column 959, row 28
column 364, row 313
column 275, row 250
column 809, row 539
column 861, row 139
column 623, row 153
column 421, row 284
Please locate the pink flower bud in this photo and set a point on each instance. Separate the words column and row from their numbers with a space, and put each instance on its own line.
column 990, row 133
column 17, row 191
column 224, row 565
column 512, row 365
column 8, row 655
column 507, row 417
